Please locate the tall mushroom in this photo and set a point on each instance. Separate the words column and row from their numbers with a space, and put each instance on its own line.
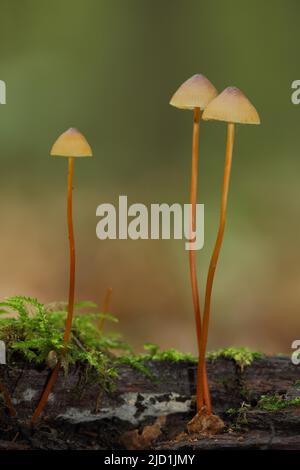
column 195, row 94
column 71, row 144
column 233, row 107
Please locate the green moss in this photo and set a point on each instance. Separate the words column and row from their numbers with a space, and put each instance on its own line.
column 35, row 333
column 276, row 402
column 153, row 353
column 239, row 414
column 241, row 356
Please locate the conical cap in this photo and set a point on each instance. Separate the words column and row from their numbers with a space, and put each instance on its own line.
column 231, row 106
column 71, row 144
column 196, row 92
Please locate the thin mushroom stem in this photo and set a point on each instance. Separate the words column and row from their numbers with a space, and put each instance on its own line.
column 105, row 307
column 192, row 255
column 8, row 400
column 215, row 256
column 68, row 327
column 47, row 390
column 72, row 253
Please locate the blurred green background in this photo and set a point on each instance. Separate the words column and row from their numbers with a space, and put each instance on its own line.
column 109, row 67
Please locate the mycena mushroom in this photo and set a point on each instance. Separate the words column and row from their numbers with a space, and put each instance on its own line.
column 71, row 144
column 233, row 107
column 195, row 94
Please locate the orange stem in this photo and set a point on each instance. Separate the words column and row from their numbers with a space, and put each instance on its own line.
column 105, row 307
column 192, row 256
column 215, row 256
column 7, row 399
column 45, row 394
column 72, row 255
column 69, row 319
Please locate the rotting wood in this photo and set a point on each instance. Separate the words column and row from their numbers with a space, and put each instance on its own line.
column 71, row 419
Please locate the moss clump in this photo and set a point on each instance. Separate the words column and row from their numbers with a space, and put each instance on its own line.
column 240, row 415
column 153, row 353
column 37, row 332
column 241, row 356
column 276, row 402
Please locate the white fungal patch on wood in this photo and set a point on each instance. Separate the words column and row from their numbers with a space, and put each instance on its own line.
column 51, row 398
column 135, row 407
column 29, row 394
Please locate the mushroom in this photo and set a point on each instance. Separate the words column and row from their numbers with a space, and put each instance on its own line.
column 233, row 107
column 195, row 94
column 71, row 144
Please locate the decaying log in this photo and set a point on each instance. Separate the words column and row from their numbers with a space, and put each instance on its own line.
column 80, row 416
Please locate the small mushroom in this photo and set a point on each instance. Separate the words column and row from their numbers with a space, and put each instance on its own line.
column 71, row 144
column 195, row 94
column 233, row 107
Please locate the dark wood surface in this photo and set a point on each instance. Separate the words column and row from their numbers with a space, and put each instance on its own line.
column 80, row 416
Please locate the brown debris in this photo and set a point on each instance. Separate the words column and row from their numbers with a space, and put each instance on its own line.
column 206, row 425
column 134, row 440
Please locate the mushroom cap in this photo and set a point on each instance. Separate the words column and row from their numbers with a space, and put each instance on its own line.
column 196, row 92
column 71, row 144
column 231, row 106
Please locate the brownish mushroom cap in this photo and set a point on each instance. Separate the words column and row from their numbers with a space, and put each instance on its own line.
column 231, row 106
column 71, row 144
column 196, row 92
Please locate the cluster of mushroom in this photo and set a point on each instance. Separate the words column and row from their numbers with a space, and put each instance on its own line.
column 197, row 94
column 200, row 95
column 231, row 106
